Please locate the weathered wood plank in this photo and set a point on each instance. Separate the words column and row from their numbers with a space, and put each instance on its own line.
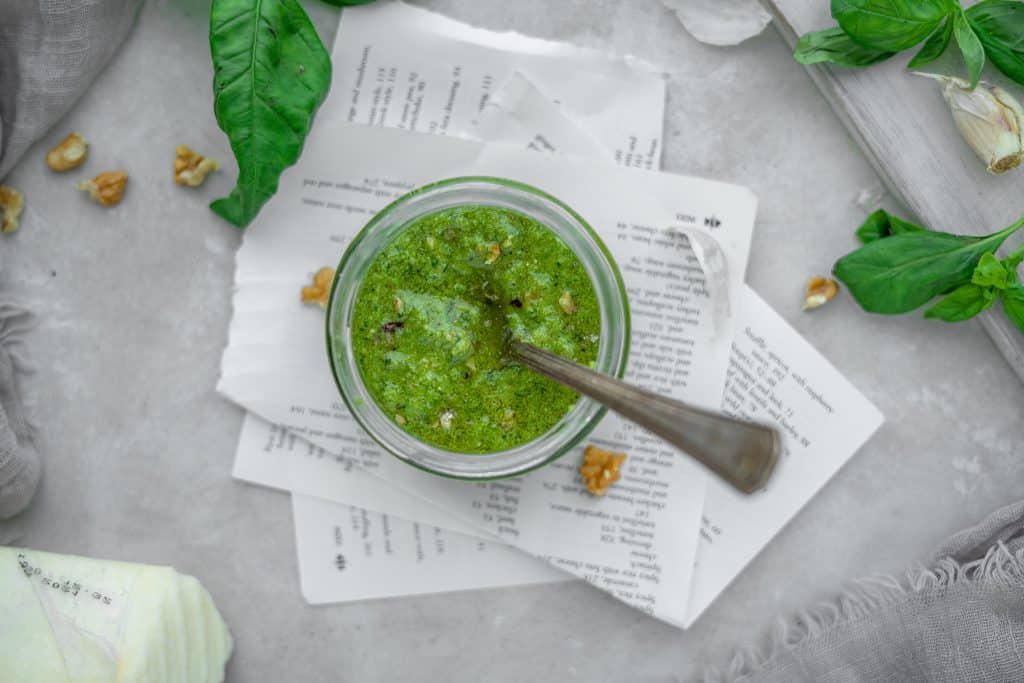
column 905, row 129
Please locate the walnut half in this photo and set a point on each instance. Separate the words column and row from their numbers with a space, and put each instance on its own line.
column 107, row 188
column 12, row 202
column 69, row 153
column 600, row 469
column 191, row 168
column 318, row 292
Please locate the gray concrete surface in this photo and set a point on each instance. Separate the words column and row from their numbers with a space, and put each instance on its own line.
column 134, row 304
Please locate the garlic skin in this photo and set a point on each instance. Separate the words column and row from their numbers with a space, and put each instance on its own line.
column 989, row 119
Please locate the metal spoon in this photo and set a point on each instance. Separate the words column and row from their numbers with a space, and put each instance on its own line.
column 742, row 453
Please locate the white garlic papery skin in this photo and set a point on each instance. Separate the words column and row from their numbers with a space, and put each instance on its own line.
column 989, row 119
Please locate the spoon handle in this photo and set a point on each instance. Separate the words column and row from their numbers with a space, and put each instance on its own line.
column 742, row 453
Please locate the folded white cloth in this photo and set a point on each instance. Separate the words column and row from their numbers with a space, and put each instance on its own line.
column 66, row 619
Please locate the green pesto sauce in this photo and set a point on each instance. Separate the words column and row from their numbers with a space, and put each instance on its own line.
column 433, row 313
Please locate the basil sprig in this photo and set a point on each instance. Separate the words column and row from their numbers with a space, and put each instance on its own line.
column 903, row 266
column 871, row 31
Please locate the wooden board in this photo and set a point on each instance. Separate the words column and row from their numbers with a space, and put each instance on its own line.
column 905, row 128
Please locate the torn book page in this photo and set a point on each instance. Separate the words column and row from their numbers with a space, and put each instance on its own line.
column 347, row 553
column 405, row 67
column 678, row 353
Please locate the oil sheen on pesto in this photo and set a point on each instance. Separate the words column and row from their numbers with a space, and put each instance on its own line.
column 432, row 315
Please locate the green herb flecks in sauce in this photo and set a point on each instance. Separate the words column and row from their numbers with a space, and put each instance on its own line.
column 433, row 314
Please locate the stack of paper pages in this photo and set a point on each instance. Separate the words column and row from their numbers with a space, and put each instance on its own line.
column 418, row 98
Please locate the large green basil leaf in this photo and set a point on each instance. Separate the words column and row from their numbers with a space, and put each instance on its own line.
column 835, row 47
column 891, row 25
column 999, row 25
column 900, row 273
column 1013, row 305
column 933, row 47
column 970, row 47
column 271, row 72
column 963, row 303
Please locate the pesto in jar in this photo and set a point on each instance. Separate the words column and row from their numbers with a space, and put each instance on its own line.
column 433, row 314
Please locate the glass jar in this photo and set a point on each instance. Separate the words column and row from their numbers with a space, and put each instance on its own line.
column 613, row 346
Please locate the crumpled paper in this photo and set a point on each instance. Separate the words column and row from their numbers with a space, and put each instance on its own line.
column 720, row 22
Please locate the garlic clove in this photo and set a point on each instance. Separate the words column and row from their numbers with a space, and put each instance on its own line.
column 989, row 118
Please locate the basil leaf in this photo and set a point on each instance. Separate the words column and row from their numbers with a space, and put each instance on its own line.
column 933, row 47
column 835, row 47
column 899, row 273
column 271, row 72
column 963, row 303
column 891, row 25
column 898, row 226
column 999, row 25
column 970, row 47
column 1013, row 305
column 990, row 273
column 882, row 224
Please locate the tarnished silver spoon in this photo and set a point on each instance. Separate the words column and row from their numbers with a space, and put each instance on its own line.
column 742, row 453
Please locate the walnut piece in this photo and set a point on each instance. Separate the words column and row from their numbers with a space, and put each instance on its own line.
column 508, row 419
column 107, row 188
column 12, row 202
column 318, row 292
column 69, row 153
column 493, row 253
column 820, row 291
column 191, row 168
column 600, row 469
column 567, row 303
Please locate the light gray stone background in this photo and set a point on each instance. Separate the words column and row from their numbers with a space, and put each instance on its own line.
column 134, row 304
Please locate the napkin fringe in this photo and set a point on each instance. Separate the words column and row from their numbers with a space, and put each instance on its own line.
column 999, row 567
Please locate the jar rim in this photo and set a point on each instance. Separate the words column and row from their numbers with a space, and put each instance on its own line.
column 385, row 226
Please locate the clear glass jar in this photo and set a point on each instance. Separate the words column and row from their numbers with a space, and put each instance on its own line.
column 613, row 348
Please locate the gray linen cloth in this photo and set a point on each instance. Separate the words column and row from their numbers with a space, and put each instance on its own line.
column 960, row 618
column 19, row 461
column 50, row 52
